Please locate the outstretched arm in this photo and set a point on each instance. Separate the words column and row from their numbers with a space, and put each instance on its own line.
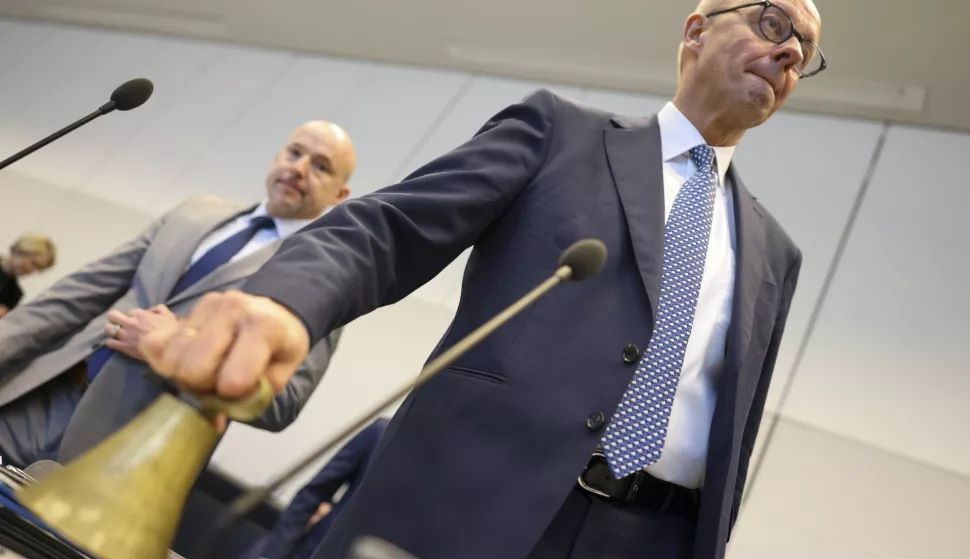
column 365, row 253
column 375, row 250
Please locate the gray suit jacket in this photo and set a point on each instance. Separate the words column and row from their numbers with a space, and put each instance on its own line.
column 64, row 325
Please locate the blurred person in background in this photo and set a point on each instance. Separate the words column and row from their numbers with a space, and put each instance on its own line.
column 29, row 254
column 70, row 370
column 307, row 519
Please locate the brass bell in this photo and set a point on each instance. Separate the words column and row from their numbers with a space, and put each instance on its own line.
column 124, row 498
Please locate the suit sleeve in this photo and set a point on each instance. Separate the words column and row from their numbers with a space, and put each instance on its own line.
column 343, row 467
column 374, row 250
column 286, row 406
column 68, row 305
column 753, row 422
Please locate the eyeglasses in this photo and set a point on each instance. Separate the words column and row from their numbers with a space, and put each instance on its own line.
column 776, row 26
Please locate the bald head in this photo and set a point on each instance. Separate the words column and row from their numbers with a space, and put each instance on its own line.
column 738, row 63
column 341, row 148
column 311, row 172
column 710, row 6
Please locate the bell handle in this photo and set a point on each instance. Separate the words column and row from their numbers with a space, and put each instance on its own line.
column 243, row 409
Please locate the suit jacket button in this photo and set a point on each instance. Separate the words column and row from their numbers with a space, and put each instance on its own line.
column 631, row 353
column 595, row 421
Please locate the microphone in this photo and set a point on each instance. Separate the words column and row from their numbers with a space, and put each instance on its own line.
column 581, row 261
column 125, row 97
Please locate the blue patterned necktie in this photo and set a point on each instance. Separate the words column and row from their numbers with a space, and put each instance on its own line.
column 635, row 437
column 212, row 259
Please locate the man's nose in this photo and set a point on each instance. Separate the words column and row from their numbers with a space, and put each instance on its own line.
column 790, row 52
column 302, row 165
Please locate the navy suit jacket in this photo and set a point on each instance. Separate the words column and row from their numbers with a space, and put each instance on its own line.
column 476, row 463
column 289, row 539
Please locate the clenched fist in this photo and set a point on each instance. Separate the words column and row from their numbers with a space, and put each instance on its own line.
column 227, row 343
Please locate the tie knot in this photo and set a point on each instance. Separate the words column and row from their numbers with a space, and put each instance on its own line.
column 261, row 222
column 703, row 157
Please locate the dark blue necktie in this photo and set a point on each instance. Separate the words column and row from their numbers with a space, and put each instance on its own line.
column 215, row 257
column 221, row 253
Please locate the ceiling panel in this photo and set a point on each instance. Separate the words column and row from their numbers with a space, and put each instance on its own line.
column 34, row 118
column 74, row 78
column 146, row 172
column 17, row 39
column 887, row 362
column 887, row 60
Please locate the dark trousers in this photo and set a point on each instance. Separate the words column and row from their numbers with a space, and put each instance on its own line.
column 31, row 426
column 590, row 527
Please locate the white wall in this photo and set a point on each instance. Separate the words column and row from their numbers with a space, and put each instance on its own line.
column 893, row 332
column 36, row 205
column 880, row 370
column 822, row 496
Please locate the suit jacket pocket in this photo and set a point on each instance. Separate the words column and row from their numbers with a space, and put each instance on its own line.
column 475, row 374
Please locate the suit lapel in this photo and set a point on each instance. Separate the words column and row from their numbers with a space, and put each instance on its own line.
column 750, row 233
column 727, row 425
column 635, row 157
column 634, row 151
column 635, row 161
column 228, row 273
column 185, row 238
column 178, row 246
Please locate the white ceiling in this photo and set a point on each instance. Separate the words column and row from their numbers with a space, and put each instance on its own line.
column 898, row 61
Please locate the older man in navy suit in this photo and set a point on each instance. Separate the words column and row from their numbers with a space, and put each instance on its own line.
column 647, row 382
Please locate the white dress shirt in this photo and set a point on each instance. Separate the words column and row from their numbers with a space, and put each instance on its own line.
column 284, row 228
column 684, row 455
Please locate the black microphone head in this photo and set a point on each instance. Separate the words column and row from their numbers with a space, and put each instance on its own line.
column 132, row 94
column 585, row 257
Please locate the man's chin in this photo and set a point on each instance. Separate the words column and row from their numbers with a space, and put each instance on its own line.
column 757, row 108
column 281, row 208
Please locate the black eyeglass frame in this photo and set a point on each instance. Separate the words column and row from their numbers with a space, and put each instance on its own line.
column 765, row 5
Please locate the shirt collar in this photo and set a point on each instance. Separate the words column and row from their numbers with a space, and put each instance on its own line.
column 285, row 227
column 678, row 135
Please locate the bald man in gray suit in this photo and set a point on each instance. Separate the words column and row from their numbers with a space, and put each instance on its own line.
column 70, row 370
